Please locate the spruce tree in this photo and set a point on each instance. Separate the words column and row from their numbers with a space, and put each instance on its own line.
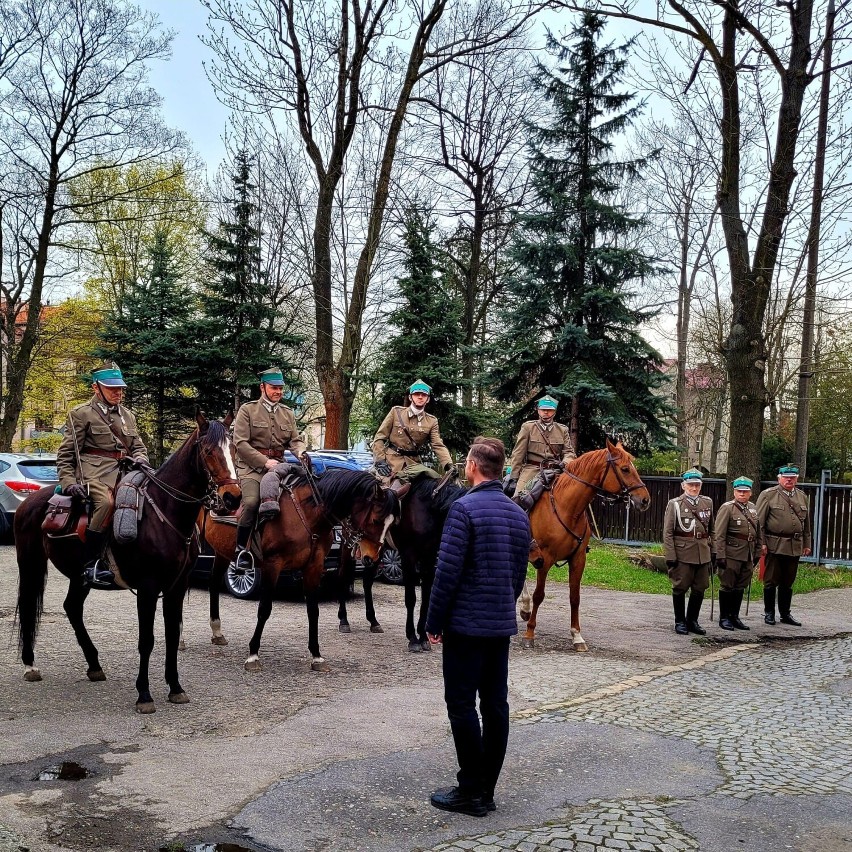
column 428, row 340
column 150, row 336
column 238, row 309
column 571, row 329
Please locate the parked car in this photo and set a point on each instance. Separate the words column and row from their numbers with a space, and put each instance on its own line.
column 22, row 474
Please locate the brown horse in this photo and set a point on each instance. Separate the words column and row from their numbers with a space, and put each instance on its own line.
column 298, row 540
column 560, row 526
column 156, row 564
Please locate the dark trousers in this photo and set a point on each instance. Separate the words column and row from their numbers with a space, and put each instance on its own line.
column 477, row 664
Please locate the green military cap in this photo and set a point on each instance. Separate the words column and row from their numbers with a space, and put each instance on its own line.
column 743, row 482
column 788, row 470
column 692, row 475
column 109, row 375
column 272, row 376
column 547, row 402
column 420, row 387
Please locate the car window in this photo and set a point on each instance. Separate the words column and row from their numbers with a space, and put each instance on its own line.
column 38, row 469
column 4, row 466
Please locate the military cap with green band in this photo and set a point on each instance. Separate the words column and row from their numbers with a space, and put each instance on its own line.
column 273, row 376
column 692, row 475
column 743, row 482
column 420, row 387
column 547, row 402
column 788, row 470
column 109, row 376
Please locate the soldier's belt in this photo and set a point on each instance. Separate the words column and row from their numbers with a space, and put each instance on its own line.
column 272, row 454
column 698, row 535
column 794, row 536
column 401, row 452
column 107, row 454
column 742, row 536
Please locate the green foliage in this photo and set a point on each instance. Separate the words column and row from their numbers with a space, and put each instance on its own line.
column 427, row 343
column 776, row 451
column 659, row 463
column 829, row 413
column 570, row 328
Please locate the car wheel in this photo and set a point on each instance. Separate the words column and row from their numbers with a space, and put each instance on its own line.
column 390, row 567
column 243, row 582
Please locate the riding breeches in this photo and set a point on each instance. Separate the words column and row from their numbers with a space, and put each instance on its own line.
column 735, row 576
column 686, row 575
column 101, row 496
column 781, row 570
column 250, row 488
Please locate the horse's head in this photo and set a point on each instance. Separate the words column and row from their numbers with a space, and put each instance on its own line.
column 372, row 519
column 214, row 451
column 622, row 479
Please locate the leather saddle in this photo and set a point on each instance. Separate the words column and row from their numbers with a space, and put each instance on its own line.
column 67, row 517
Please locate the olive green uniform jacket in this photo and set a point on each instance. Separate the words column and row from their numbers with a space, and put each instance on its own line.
column 422, row 432
column 688, row 530
column 531, row 449
column 260, row 434
column 737, row 532
column 784, row 521
column 88, row 428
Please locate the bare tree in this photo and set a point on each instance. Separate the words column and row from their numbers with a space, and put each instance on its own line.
column 75, row 102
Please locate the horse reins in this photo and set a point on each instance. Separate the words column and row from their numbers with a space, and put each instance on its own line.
column 610, row 497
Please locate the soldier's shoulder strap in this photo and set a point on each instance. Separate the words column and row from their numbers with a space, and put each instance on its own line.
column 399, row 409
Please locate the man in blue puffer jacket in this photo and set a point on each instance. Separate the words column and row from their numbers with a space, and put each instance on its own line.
column 481, row 568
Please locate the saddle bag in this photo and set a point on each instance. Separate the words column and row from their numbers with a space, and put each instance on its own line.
column 543, row 482
column 283, row 476
column 61, row 517
column 129, row 501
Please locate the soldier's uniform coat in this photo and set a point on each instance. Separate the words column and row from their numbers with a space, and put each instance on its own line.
column 90, row 424
column 738, row 540
column 392, row 437
column 531, row 449
column 786, row 527
column 688, row 541
column 261, row 434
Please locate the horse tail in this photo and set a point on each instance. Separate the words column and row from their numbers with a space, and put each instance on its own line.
column 32, row 576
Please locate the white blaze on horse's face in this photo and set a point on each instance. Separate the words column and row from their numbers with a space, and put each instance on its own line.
column 225, row 446
column 388, row 521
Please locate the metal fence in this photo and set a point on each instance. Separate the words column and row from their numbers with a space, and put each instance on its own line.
column 830, row 510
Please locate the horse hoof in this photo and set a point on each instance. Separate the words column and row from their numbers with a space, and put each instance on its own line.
column 414, row 646
column 95, row 675
column 525, row 616
column 529, row 644
column 252, row 665
column 376, row 628
column 178, row 698
column 344, row 628
column 219, row 640
column 146, row 707
column 32, row 675
column 426, row 645
column 320, row 665
column 581, row 647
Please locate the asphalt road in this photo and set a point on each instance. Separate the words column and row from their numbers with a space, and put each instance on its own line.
column 649, row 741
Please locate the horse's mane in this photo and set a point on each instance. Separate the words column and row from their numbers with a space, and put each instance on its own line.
column 339, row 488
column 582, row 465
column 440, row 504
column 213, row 437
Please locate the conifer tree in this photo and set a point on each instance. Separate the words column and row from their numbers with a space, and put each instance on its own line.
column 427, row 343
column 570, row 327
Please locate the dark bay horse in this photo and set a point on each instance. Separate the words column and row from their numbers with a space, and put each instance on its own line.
column 298, row 540
column 157, row 564
column 560, row 526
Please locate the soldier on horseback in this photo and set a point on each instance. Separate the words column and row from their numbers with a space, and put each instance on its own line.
column 98, row 435
column 405, row 434
column 263, row 430
column 542, row 440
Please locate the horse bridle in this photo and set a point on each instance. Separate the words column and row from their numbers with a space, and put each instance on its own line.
column 608, row 496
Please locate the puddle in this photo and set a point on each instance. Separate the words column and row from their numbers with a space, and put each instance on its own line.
column 206, row 847
column 65, row 771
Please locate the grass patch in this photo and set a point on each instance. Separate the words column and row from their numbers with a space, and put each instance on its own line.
column 607, row 567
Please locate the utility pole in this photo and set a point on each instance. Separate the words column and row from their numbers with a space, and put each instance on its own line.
column 806, row 363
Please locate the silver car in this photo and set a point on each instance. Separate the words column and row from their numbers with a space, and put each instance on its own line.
column 22, row 474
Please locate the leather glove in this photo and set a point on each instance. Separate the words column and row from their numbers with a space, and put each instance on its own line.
column 671, row 564
column 140, row 461
column 383, row 468
column 76, row 490
column 448, row 467
column 509, row 487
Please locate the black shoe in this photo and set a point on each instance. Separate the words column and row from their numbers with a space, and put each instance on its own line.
column 738, row 623
column 679, row 603
column 97, row 577
column 681, row 628
column 769, row 618
column 694, row 627
column 452, row 799
column 786, row 618
column 488, row 801
column 726, row 623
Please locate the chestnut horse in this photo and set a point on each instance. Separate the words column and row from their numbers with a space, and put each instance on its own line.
column 560, row 526
column 298, row 539
column 157, row 564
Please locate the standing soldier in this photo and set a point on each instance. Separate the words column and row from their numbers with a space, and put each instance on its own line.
column 263, row 430
column 538, row 441
column 688, row 548
column 98, row 434
column 786, row 525
column 738, row 541
column 404, row 435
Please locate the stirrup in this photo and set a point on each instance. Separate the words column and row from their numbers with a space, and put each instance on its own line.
column 97, row 577
column 244, row 560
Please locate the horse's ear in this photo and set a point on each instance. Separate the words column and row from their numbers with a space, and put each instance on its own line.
column 613, row 448
column 229, row 419
column 200, row 419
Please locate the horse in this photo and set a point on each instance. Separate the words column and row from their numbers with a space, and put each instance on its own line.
column 560, row 526
column 345, row 579
column 298, row 539
column 156, row 564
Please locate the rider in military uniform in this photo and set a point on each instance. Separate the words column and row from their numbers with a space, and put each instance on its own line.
column 263, row 430
column 784, row 519
column 738, row 541
column 538, row 441
column 103, row 432
column 404, row 435
column 688, row 548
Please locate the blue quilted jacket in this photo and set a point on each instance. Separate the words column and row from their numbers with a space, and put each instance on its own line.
column 481, row 565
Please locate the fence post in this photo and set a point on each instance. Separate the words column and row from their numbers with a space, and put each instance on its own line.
column 824, row 478
column 627, row 522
